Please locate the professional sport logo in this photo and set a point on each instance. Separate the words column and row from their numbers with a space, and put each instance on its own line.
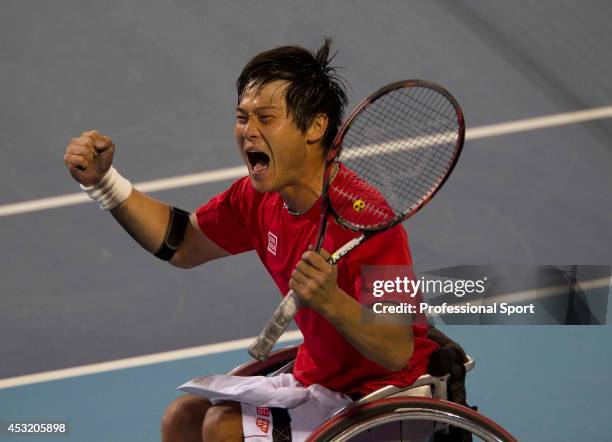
column 272, row 243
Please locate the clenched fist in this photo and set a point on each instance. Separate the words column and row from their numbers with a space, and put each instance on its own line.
column 89, row 157
column 315, row 281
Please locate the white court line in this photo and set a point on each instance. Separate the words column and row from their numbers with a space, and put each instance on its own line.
column 236, row 172
column 226, row 174
column 537, row 294
column 137, row 361
column 495, row 130
column 146, row 186
column 221, row 347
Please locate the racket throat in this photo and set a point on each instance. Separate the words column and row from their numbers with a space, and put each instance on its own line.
column 338, row 254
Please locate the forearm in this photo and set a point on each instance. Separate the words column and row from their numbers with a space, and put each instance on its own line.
column 89, row 159
column 144, row 218
column 147, row 220
column 388, row 345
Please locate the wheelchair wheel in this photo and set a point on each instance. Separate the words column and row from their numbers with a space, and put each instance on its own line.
column 390, row 420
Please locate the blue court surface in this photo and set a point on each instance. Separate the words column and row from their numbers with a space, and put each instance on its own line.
column 565, row 397
column 532, row 187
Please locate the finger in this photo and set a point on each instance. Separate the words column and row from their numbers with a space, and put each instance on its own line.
column 325, row 254
column 93, row 134
column 298, row 283
column 315, row 260
column 296, row 286
column 80, row 168
column 82, row 141
column 78, row 161
column 308, row 270
column 103, row 143
column 81, row 150
column 299, row 277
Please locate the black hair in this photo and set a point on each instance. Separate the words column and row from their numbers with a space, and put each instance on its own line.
column 314, row 86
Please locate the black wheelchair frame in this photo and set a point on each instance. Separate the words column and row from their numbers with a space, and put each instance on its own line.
column 381, row 415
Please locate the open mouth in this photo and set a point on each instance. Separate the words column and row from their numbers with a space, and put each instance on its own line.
column 258, row 161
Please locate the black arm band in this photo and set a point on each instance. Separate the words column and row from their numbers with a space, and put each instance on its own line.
column 174, row 235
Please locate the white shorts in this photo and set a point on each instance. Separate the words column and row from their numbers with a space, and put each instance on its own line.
column 279, row 408
column 273, row 408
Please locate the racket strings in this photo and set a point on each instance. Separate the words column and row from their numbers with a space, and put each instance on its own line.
column 396, row 153
column 438, row 110
column 399, row 132
column 423, row 114
column 434, row 109
column 423, row 133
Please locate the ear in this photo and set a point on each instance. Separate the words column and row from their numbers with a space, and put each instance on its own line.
column 314, row 133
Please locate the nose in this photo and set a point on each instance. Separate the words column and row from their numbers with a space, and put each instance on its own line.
column 250, row 129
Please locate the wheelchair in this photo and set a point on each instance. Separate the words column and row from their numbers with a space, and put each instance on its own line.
column 391, row 413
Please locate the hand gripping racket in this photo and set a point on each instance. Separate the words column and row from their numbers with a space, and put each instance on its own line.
column 391, row 156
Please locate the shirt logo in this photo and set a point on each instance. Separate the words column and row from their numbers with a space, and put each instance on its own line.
column 262, row 424
column 272, row 243
column 263, row 411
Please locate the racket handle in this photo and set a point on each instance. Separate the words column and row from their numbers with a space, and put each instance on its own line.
column 262, row 346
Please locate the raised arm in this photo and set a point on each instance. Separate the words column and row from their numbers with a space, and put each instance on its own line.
column 89, row 158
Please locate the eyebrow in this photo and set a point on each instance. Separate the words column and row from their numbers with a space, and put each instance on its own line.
column 257, row 109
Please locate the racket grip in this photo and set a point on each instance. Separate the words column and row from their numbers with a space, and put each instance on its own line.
column 262, row 346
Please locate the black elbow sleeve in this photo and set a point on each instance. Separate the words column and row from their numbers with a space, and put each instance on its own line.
column 174, row 234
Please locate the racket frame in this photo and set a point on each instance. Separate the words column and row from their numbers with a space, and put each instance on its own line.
column 433, row 190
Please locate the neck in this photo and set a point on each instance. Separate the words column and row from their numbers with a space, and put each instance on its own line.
column 302, row 195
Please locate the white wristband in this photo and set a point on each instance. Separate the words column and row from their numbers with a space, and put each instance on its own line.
column 110, row 191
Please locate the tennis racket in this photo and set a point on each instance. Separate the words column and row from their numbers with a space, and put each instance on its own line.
column 389, row 158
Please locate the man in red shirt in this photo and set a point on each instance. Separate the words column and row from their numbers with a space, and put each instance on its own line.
column 290, row 106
